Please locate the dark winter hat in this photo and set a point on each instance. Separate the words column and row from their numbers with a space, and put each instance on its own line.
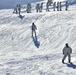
column 66, row 44
column 33, row 23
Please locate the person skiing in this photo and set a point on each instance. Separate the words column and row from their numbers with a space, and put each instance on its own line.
column 67, row 50
column 34, row 28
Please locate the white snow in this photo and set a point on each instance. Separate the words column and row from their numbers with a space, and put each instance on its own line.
column 19, row 54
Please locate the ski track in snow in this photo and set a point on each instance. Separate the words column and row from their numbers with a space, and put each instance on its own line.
column 18, row 53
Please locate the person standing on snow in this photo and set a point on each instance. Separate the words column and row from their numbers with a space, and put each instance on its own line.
column 66, row 5
column 28, row 8
column 47, row 6
column 16, row 9
column 34, row 28
column 41, row 7
column 67, row 50
column 19, row 8
column 58, row 6
column 54, row 6
column 38, row 7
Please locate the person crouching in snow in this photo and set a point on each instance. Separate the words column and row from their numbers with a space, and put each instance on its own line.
column 67, row 50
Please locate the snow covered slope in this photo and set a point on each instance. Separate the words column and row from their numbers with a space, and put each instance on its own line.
column 20, row 54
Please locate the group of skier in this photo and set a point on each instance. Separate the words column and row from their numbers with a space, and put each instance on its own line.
column 39, row 7
column 57, row 5
column 67, row 50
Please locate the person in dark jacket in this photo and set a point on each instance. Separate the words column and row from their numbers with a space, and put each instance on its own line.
column 67, row 50
column 34, row 28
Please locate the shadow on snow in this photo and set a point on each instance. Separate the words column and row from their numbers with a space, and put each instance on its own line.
column 71, row 65
column 36, row 42
column 21, row 17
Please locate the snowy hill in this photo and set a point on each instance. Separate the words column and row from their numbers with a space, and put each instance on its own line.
column 20, row 54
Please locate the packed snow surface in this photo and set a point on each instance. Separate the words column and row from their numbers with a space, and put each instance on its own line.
column 22, row 54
